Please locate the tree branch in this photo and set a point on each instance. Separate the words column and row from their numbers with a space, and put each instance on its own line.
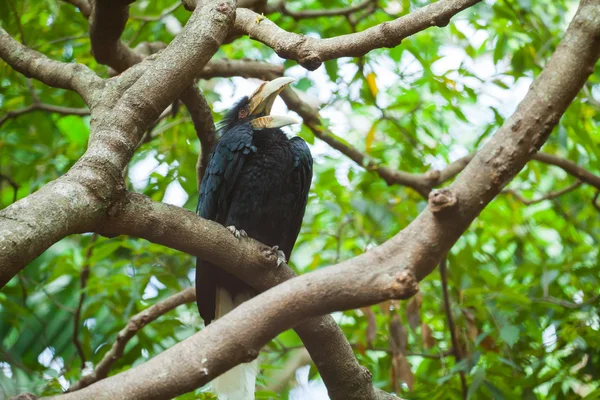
column 33, row 64
column 83, row 279
column 547, row 196
column 12, row 183
column 163, row 14
column 253, row 262
column 451, row 327
column 311, row 52
column 107, row 23
column 281, row 7
column 570, row 167
column 204, row 125
column 564, row 303
column 226, row 68
column 44, row 107
column 136, row 323
column 384, row 272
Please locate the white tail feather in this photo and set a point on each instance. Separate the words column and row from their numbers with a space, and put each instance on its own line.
column 239, row 382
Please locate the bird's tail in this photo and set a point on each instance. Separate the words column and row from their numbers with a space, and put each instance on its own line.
column 239, row 382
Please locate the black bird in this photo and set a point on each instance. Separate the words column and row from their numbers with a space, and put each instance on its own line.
column 256, row 184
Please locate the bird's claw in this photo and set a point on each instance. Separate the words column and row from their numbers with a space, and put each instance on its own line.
column 280, row 255
column 237, row 233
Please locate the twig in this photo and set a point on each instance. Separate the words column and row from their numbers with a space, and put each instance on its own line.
column 12, row 183
column 547, row 196
column 163, row 14
column 564, row 303
column 595, row 201
column 332, row 12
column 83, row 5
column 451, row 326
column 83, row 279
column 44, row 107
column 136, row 323
column 18, row 19
column 570, row 167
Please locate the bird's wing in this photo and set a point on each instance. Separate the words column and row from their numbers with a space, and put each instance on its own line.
column 302, row 176
column 224, row 166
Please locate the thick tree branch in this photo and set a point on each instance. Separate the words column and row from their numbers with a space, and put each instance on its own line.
column 174, row 70
column 227, row 68
column 163, row 223
column 57, row 74
column 311, row 52
column 384, row 272
column 43, row 107
column 107, row 23
column 79, row 199
column 136, row 323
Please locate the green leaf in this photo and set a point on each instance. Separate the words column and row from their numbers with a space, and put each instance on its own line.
column 509, row 334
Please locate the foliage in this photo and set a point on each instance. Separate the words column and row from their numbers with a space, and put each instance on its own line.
column 418, row 106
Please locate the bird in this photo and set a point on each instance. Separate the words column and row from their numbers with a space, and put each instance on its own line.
column 256, row 184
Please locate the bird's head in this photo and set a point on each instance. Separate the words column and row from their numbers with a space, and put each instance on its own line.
column 256, row 109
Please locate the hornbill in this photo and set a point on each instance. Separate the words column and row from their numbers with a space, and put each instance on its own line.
column 256, row 184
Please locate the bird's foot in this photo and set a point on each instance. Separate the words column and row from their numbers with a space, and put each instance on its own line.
column 280, row 255
column 237, row 233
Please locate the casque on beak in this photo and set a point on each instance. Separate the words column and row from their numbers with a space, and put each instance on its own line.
column 262, row 101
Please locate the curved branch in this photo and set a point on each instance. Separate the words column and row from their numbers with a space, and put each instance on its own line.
column 253, row 262
column 34, row 64
column 570, row 167
column 311, row 52
column 44, row 107
column 107, row 23
column 136, row 323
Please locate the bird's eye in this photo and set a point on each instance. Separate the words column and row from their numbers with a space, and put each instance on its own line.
column 243, row 113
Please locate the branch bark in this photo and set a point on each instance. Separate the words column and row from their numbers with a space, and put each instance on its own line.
column 311, row 52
